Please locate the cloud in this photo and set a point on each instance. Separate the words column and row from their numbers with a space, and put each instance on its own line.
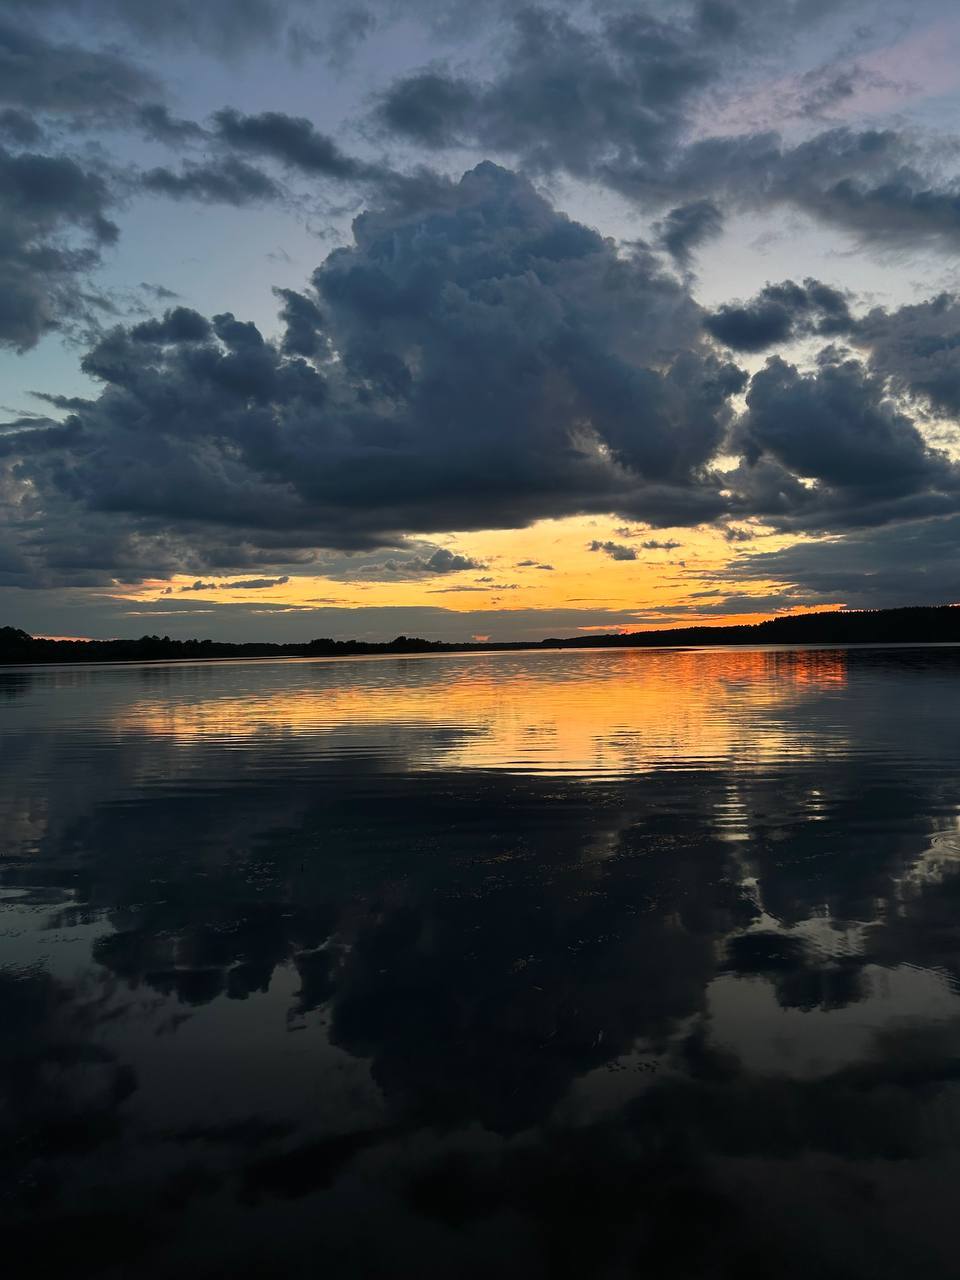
column 291, row 140
column 633, row 87
column 224, row 181
column 918, row 348
column 864, row 461
column 446, row 561
column 781, row 313
column 473, row 359
column 476, row 359
column 41, row 75
column 615, row 550
column 687, row 227
column 19, row 128
column 440, row 561
column 652, row 544
column 303, row 324
column 53, row 227
column 913, row 563
column 221, row 26
column 255, row 584
column 155, row 120
column 179, row 324
column 625, row 92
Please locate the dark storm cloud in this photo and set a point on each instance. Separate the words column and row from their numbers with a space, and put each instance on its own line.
column 864, row 459
column 473, row 360
column 53, row 226
column 485, row 361
column 780, row 313
column 224, row 181
column 615, row 550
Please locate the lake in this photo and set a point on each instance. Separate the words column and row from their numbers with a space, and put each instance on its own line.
column 589, row 964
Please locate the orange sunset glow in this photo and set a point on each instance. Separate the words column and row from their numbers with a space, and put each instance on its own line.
column 596, row 714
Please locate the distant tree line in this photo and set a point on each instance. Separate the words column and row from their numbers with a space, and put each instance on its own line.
column 926, row 625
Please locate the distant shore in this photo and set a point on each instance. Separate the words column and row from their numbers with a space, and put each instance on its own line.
column 916, row 625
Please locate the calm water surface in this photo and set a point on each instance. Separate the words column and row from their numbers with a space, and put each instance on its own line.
column 587, row 964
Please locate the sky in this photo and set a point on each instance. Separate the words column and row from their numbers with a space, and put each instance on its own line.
column 469, row 319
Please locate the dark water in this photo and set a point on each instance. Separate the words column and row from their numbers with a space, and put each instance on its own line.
column 571, row 964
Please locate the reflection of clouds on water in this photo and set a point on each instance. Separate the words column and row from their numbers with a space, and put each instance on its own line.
column 589, row 1012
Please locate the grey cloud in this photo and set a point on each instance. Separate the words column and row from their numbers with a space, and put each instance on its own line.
column 155, row 120
column 624, row 116
column 180, row 324
column 224, row 181
column 41, row 75
column 624, row 91
column 446, row 561
column 687, row 227
column 440, row 561
column 303, row 324
column 292, row 140
column 158, row 291
column 200, row 586
column 53, row 226
column 918, row 348
column 780, row 313
column 432, row 108
column 652, row 544
column 866, row 461
column 19, row 128
column 255, row 584
column 915, row 563
column 473, row 360
column 222, row 26
column 615, row 550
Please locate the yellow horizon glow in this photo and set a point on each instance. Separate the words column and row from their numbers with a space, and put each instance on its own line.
column 650, row 586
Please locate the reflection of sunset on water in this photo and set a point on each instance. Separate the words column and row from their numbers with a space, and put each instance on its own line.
column 556, row 713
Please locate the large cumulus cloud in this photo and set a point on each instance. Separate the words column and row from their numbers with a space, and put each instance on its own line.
column 480, row 360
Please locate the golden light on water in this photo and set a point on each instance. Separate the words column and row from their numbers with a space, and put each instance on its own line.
column 584, row 713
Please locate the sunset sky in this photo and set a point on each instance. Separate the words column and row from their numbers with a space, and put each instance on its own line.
column 461, row 318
